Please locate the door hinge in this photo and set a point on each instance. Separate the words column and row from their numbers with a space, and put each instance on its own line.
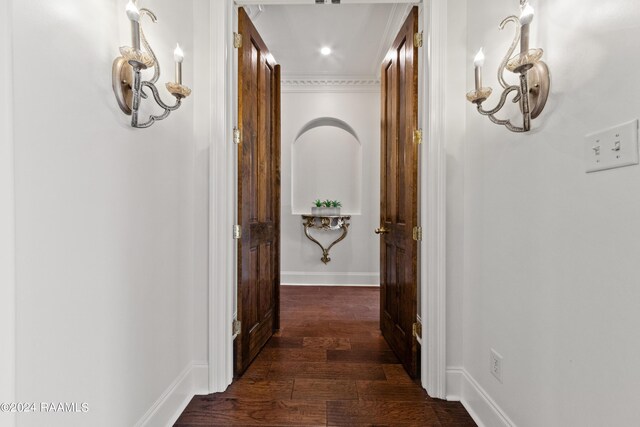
column 237, row 327
column 417, row 39
column 417, row 136
column 237, row 232
column 417, row 330
column 237, row 136
column 417, row 234
column 237, row 40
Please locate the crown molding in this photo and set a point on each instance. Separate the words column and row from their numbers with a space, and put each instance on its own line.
column 330, row 84
column 307, row 2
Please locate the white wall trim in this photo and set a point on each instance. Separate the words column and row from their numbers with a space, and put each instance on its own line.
column 307, row 84
column 314, row 80
column 7, row 219
column 166, row 410
column 304, row 278
column 336, row 285
column 200, row 378
column 350, row 273
column 433, row 193
column 482, row 408
column 306, row 2
column 222, row 203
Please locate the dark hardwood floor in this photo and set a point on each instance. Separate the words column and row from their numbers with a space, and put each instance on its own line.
column 328, row 365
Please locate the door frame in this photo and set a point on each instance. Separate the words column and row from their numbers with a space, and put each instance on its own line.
column 222, row 191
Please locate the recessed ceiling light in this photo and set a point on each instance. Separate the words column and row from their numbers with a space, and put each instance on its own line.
column 325, row 51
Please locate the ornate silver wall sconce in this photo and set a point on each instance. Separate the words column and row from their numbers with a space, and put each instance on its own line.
column 534, row 76
column 128, row 85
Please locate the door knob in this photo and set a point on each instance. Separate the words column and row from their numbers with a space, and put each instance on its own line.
column 382, row 230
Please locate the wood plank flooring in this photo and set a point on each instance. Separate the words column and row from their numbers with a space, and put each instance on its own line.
column 328, row 365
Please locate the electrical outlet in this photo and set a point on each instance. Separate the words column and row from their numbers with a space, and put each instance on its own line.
column 495, row 364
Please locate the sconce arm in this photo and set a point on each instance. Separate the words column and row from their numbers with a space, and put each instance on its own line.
column 147, row 46
column 167, row 108
column 503, row 99
column 512, row 48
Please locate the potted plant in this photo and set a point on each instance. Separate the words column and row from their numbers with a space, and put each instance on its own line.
column 326, row 207
column 332, row 207
column 317, row 207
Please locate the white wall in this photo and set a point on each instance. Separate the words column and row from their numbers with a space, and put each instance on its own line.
column 7, row 206
column 551, row 253
column 105, row 218
column 355, row 260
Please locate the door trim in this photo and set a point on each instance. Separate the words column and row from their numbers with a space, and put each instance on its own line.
column 432, row 198
column 222, row 203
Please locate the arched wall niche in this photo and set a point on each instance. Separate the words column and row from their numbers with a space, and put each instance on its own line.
column 326, row 163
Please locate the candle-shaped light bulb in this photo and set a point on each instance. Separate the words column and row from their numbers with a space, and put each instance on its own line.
column 478, row 62
column 178, row 56
column 525, row 19
column 134, row 16
column 132, row 11
column 527, row 15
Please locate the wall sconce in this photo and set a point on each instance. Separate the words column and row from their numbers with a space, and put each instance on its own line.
column 534, row 76
column 128, row 85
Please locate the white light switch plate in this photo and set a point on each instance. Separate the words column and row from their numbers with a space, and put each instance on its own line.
column 612, row 148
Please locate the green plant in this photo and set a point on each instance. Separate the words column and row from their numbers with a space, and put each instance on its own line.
column 327, row 203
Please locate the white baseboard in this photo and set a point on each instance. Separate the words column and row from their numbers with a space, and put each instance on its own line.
column 200, row 377
column 462, row 387
column 194, row 379
column 343, row 285
column 302, row 278
column 454, row 384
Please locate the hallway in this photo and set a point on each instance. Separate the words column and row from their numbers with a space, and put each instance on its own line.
column 328, row 365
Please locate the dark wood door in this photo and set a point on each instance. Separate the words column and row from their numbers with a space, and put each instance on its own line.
column 399, row 195
column 258, row 195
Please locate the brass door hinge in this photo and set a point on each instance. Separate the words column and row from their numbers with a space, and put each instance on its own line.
column 237, row 40
column 417, row 234
column 417, row 39
column 237, row 327
column 417, row 330
column 237, row 136
column 417, row 136
column 237, row 232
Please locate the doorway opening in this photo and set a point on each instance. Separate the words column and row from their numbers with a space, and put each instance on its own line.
column 315, row 133
column 222, row 19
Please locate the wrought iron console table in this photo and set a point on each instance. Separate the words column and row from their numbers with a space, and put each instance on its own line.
column 326, row 223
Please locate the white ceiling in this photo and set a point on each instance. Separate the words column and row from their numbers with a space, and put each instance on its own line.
column 359, row 36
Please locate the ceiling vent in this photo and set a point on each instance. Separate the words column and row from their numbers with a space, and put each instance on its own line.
column 327, row 1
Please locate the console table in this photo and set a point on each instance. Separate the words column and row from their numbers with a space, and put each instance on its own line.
column 326, row 223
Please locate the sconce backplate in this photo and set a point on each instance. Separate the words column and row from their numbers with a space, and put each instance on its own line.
column 539, row 82
column 122, row 81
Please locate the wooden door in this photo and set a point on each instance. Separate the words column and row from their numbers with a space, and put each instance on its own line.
column 399, row 195
column 258, row 195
